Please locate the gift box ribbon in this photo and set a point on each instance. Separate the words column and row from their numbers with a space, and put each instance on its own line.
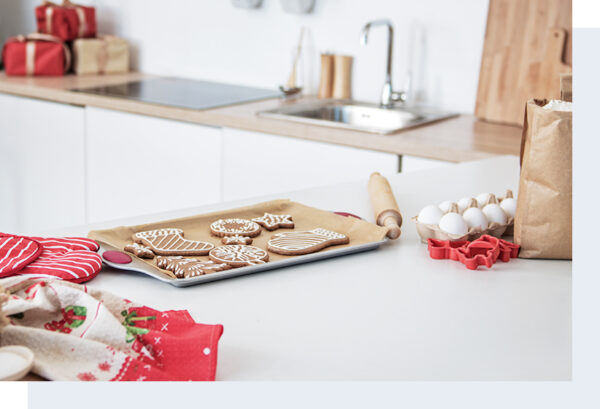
column 66, row 3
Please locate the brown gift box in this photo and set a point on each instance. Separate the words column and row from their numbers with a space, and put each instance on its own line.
column 103, row 55
column 544, row 206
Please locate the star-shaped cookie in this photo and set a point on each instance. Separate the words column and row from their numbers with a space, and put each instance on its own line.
column 275, row 221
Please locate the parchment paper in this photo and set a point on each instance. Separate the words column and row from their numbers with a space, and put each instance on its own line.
column 197, row 227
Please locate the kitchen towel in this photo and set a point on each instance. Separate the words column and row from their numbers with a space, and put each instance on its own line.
column 72, row 259
column 67, row 21
column 103, row 55
column 36, row 54
column 80, row 333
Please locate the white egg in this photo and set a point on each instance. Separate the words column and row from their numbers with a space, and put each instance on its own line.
column 475, row 218
column 495, row 214
column 430, row 215
column 482, row 199
column 509, row 205
column 453, row 223
column 445, row 206
column 464, row 203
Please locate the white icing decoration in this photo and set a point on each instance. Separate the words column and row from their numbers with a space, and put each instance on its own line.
column 139, row 250
column 236, row 239
column 189, row 267
column 273, row 221
column 239, row 255
column 169, row 241
column 241, row 227
column 305, row 240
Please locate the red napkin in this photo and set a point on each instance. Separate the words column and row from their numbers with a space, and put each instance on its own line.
column 71, row 259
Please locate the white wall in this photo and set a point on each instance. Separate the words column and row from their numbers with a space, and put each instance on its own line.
column 213, row 40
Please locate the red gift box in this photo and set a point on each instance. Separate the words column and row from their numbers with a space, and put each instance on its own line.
column 35, row 54
column 67, row 21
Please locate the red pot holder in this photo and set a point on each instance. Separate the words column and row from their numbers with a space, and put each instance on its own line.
column 71, row 259
column 16, row 253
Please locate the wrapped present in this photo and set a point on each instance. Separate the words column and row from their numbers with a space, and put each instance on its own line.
column 36, row 54
column 67, row 21
column 103, row 55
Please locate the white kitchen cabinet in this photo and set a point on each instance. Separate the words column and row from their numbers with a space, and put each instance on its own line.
column 139, row 165
column 413, row 163
column 42, row 171
column 257, row 164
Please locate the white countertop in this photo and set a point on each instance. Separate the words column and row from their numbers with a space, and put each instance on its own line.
column 389, row 314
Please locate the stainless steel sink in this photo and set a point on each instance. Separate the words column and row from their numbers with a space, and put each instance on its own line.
column 357, row 115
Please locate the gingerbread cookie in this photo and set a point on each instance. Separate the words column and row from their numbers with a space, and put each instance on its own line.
column 232, row 227
column 176, row 265
column 236, row 239
column 189, row 267
column 275, row 221
column 139, row 250
column 239, row 255
column 201, row 268
column 304, row 242
column 170, row 242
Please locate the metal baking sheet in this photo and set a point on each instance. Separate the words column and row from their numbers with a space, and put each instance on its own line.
column 141, row 267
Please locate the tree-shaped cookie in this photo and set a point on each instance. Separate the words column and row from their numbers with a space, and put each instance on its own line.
column 189, row 267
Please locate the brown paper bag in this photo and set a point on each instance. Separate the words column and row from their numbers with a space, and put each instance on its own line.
column 543, row 218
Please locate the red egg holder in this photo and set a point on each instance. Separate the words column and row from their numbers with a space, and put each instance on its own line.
column 484, row 251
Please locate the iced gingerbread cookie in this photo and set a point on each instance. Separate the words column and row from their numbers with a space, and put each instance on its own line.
column 236, row 239
column 275, row 221
column 139, row 250
column 189, row 267
column 239, row 255
column 170, row 242
column 304, row 242
column 232, row 227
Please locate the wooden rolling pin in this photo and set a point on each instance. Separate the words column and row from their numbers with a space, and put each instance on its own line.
column 384, row 205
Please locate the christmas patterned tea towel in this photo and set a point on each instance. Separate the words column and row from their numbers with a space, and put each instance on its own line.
column 79, row 333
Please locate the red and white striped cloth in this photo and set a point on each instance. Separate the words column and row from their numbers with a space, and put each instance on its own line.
column 72, row 259
column 16, row 253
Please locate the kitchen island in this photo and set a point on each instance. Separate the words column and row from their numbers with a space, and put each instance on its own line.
column 388, row 314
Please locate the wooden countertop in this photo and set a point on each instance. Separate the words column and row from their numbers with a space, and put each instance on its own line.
column 456, row 140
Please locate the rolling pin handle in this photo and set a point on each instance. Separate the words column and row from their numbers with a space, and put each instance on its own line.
column 393, row 229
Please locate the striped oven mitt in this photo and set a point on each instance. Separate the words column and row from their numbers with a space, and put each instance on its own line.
column 71, row 259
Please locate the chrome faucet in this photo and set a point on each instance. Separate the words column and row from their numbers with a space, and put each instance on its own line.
column 388, row 95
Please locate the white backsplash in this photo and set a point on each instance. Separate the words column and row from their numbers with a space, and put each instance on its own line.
column 440, row 41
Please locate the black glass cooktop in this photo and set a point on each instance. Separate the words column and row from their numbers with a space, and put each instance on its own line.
column 183, row 93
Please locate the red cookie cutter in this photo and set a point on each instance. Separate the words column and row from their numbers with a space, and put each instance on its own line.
column 484, row 251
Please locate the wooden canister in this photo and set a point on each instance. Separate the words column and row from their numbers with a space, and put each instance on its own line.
column 342, row 77
column 326, row 83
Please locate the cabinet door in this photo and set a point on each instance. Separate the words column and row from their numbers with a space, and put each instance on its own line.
column 42, row 172
column 139, row 165
column 259, row 164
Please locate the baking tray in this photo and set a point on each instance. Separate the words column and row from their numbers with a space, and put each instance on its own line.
column 364, row 236
column 141, row 267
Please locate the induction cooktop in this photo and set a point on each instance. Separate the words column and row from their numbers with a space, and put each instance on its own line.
column 183, row 93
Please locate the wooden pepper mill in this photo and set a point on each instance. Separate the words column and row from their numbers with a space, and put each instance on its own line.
column 384, row 205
